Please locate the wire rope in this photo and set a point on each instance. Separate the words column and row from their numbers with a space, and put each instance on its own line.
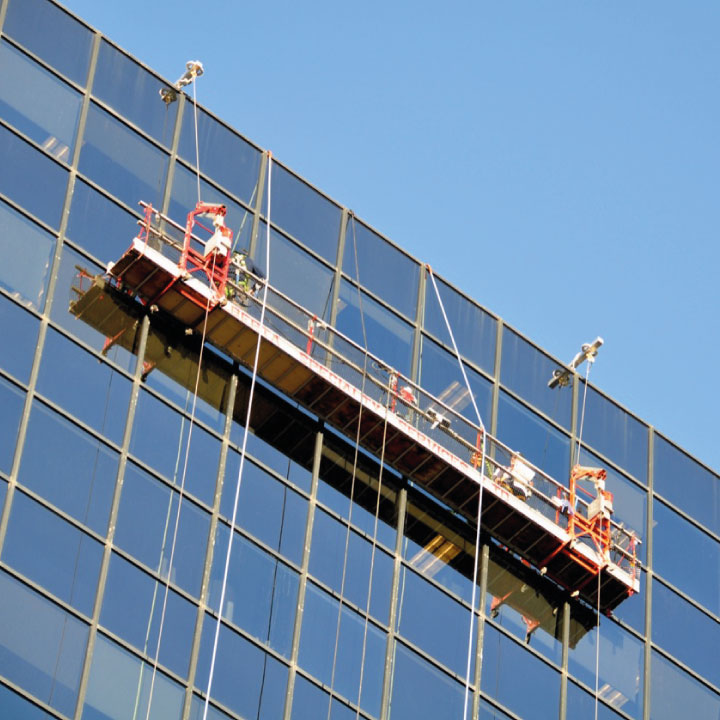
column 473, row 599
column 354, row 474
column 197, row 143
column 251, row 394
column 597, row 650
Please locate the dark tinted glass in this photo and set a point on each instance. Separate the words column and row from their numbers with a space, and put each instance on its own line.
column 20, row 330
column 224, row 156
column 381, row 268
column 526, row 371
column 687, row 484
column 615, row 433
column 117, row 158
column 131, row 90
column 98, row 225
column 475, row 331
column 25, row 169
column 37, row 103
column 304, row 213
column 52, row 34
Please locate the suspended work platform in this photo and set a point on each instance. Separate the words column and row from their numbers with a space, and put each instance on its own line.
column 549, row 524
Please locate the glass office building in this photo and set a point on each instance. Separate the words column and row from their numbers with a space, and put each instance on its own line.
column 349, row 589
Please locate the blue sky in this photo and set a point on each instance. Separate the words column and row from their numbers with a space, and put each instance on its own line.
column 557, row 160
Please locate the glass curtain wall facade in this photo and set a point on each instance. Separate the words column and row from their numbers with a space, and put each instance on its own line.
column 349, row 590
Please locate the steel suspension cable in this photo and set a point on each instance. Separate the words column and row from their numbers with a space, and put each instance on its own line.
column 248, row 416
column 354, row 475
column 197, row 143
column 480, row 497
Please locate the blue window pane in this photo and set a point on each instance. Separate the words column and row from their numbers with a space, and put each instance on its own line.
column 53, row 553
column 388, row 337
column 304, row 213
column 12, row 400
column 524, row 431
column 41, row 647
column 581, row 704
column 615, row 433
column 273, row 458
column 621, row 666
column 20, row 330
column 421, row 691
column 224, row 156
column 632, row 610
column 27, row 253
column 133, row 607
column 440, row 376
column 317, row 649
column 105, row 395
column 474, row 330
column 119, row 687
column 686, row 632
column 296, row 274
column 69, row 288
column 267, row 508
column 98, row 225
column 434, row 622
column 26, row 169
column 508, row 666
column 674, row 694
column 52, row 34
column 261, row 592
column 526, row 371
column 682, row 555
column 131, row 90
column 121, row 161
column 16, row 707
column 38, row 104
column 168, row 456
column 146, row 525
column 184, row 197
column 687, row 484
column 246, row 680
column 381, row 268
column 327, row 558
column 68, row 467
column 311, row 703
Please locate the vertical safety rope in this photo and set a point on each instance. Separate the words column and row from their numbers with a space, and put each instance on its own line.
column 242, row 452
column 197, row 144
column 352, row 480
column 480, row 495
column 590, row 361
column 597, row 650
column 181, row 496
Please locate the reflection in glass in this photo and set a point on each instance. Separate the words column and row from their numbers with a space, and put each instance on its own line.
column 119, row 687
column 615, row 433
column 12, row 400
column 475, row 331
column 525, row 432
column 38, row 104
column 131, row 90
column 682, row 555
column 98, row 225
column 225, row 156
column 19, row 328
column 52, row 34
column 261, row 592
column 41, row 646
column 68, row 467
column 120, row 160
column 581, row 704
column 133, row 605
column 52, row 553
column 317, row 650
column 381, row 267
column 305, row 214
column 421, row 691
column 526, row 371
column 687, row 484
column 246, row 680
column 22, row 166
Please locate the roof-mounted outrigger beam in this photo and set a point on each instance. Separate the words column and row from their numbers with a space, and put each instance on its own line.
column 194, row 68
column 587, row 352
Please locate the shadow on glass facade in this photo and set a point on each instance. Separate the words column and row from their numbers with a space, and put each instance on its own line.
column 349, row 591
